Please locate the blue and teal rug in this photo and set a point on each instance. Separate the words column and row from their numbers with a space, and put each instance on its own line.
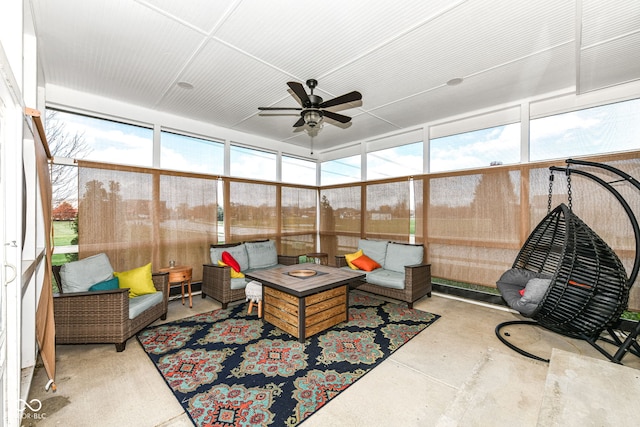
column 228, row 368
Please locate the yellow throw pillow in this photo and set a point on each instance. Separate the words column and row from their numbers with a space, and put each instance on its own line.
column 137, row 280
column 350, row 257
column 234, row 274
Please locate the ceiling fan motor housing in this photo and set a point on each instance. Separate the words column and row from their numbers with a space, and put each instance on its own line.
column 313, row 102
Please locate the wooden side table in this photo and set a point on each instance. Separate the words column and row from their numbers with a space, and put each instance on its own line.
column 180, row 275
column 319, row 257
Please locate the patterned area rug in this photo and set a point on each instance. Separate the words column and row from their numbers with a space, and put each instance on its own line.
column 228, row 368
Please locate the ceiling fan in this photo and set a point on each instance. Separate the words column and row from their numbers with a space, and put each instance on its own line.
column 313, row 107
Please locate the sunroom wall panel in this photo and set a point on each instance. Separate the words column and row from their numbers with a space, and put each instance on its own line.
column 139, row 215
column 473, row 224
column 299, row 206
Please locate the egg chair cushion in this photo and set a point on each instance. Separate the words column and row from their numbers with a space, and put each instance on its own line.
column 513, row 281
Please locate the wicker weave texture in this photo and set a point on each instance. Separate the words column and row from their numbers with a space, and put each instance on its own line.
column 589, row 289
column 417, row 283
column 103, row 316
column 216, row 280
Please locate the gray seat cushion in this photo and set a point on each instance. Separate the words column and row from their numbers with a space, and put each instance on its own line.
column 386, row 278
column 238, row 283
column 141, row 303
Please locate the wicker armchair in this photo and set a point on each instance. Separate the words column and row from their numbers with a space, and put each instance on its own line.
column 103, row 316
column 216, row 280
column 417, row 280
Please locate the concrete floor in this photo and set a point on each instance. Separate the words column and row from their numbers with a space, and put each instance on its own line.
column 454, row 373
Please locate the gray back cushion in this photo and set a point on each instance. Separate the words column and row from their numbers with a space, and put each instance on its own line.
column 79, row 276
column 517, row 276
column 239, row 253
column 374, row 249
column 400, row 255
column 262, row 254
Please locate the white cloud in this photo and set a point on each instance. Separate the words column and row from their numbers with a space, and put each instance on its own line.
column 456, row 152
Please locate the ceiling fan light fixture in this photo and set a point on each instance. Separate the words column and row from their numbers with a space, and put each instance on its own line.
column 312, row 117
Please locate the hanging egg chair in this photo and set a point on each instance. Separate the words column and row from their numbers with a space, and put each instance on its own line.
column 568, row 280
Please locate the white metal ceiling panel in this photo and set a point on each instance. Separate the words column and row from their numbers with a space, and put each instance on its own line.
column 451, row 47
column 503, row 85
column 310, row 39
column 205, row 15
column 228, row 86
column 608, row 64
column 130, row 62
column 610, row 43
column 604, row 20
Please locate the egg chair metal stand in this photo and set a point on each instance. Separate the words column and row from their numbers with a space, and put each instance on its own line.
column 589, row 287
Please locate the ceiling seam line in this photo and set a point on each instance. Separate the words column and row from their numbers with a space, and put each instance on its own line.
column 262, row 61
column 207, row 36
column 618, row 37
column 187, row 63
column 172, row 17
column 513, row 61
column 394, row 38
column 268, row 64
column 228, row 12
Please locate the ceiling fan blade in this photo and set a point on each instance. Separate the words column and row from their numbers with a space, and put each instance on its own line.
column 343, row 99
column 299, row 123
column 277, row 108
column 298, row 89
column 337, row 117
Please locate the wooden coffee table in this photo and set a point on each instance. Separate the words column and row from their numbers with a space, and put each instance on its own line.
column 304, row 299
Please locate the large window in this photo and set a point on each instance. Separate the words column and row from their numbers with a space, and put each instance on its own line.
column 250, row 163
column 480, row 148
column 298, row 171
column 340, row 171
column 608, row 128
column 404, row 160
column 186, row 153
column 78, row 137
column 102, row 140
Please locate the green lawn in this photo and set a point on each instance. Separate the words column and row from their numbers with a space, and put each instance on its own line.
column 63, row 233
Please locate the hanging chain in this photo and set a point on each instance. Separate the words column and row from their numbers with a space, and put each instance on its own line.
column 550, row 192
column 569, row 190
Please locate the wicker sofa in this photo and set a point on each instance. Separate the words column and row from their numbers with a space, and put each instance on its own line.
column 395, row 279
column 103, row 316
column 252, row 255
